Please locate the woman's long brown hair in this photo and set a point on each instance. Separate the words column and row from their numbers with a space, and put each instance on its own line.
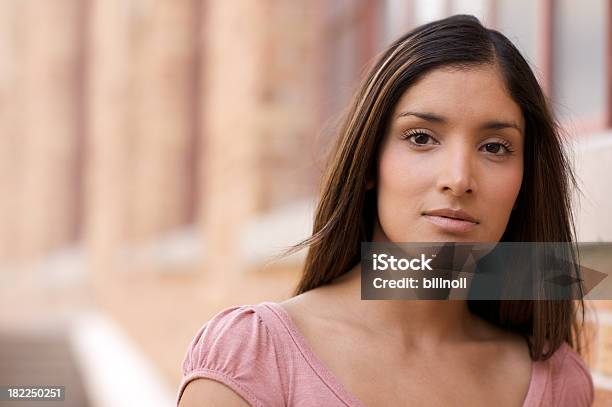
column 346, row 210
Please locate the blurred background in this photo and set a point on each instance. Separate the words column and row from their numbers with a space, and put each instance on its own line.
column 155, row 154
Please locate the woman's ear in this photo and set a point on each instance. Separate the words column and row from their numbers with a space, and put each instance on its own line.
column 370, row 184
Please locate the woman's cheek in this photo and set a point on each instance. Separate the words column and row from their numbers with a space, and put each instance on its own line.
column 399, row 192
column 502, row 191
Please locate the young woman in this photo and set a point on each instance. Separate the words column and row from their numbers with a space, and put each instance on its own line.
column 449, row 123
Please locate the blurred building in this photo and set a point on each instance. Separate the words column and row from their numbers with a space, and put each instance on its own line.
column 156, row 153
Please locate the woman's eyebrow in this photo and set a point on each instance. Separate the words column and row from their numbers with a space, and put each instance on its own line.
column 499, row 125
column 425, row 116
column 490, row 125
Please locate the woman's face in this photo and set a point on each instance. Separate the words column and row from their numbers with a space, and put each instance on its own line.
column 454, row 143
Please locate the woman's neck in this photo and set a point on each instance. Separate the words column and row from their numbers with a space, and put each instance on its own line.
column 415, row 322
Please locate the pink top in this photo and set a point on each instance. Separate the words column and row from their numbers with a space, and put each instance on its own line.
column 257, row 351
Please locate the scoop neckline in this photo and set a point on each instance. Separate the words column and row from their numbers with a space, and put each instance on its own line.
column 534, row 391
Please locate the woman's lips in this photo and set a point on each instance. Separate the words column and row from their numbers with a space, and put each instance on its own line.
column 451, row 225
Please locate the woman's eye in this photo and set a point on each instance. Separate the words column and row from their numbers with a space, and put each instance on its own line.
column 419, row 138
column 496, row 148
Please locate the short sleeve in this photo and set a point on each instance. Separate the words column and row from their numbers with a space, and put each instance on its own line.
column 576, row 388
column 236, row 349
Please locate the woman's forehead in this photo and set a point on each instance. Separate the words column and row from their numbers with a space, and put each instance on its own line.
column 476, row 93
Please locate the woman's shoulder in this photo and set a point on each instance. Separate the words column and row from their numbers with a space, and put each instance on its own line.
column 235, row 335
column 570, row 379
column 226, row 330
column 236, row 347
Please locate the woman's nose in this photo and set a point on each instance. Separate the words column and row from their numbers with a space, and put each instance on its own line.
column 456, row 173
